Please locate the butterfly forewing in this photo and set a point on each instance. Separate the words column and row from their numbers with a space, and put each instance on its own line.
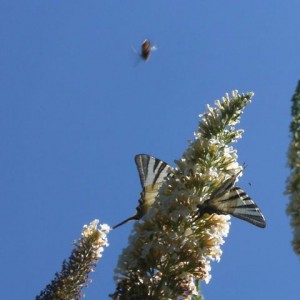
column 151, row 170
column 234, row 201
column 244, row 207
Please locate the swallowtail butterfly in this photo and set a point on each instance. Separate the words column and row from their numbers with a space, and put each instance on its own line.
column 227, row 199
column 152, row 172
column 232, row 200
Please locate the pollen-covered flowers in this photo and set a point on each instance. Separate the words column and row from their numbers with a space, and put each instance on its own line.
column 99, row 236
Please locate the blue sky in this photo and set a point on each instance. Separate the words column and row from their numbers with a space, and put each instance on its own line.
column 76, row 107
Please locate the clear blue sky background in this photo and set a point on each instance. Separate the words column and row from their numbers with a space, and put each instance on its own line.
column 75, row 108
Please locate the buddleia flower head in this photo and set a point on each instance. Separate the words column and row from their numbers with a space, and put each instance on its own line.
column 173, row 244
column 74, row 276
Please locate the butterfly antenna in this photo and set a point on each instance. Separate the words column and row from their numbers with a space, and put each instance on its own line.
column 244, row 167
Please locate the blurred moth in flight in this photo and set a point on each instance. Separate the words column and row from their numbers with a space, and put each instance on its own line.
column 227, row 199
column 146, row 49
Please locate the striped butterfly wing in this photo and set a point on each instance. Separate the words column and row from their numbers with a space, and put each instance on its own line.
column 151, row 170
column 230, row 199
column 245, row 208
column 152, row 173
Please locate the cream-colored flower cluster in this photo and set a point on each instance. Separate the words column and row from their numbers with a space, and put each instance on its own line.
column 174, row 244
column 73, row 277
column 99, row 236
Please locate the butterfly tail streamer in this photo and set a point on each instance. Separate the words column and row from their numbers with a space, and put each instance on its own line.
column 125, row 221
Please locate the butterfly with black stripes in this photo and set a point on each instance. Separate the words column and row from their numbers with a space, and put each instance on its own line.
column 227, row 199
column 232, row 200
column 152, row 173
